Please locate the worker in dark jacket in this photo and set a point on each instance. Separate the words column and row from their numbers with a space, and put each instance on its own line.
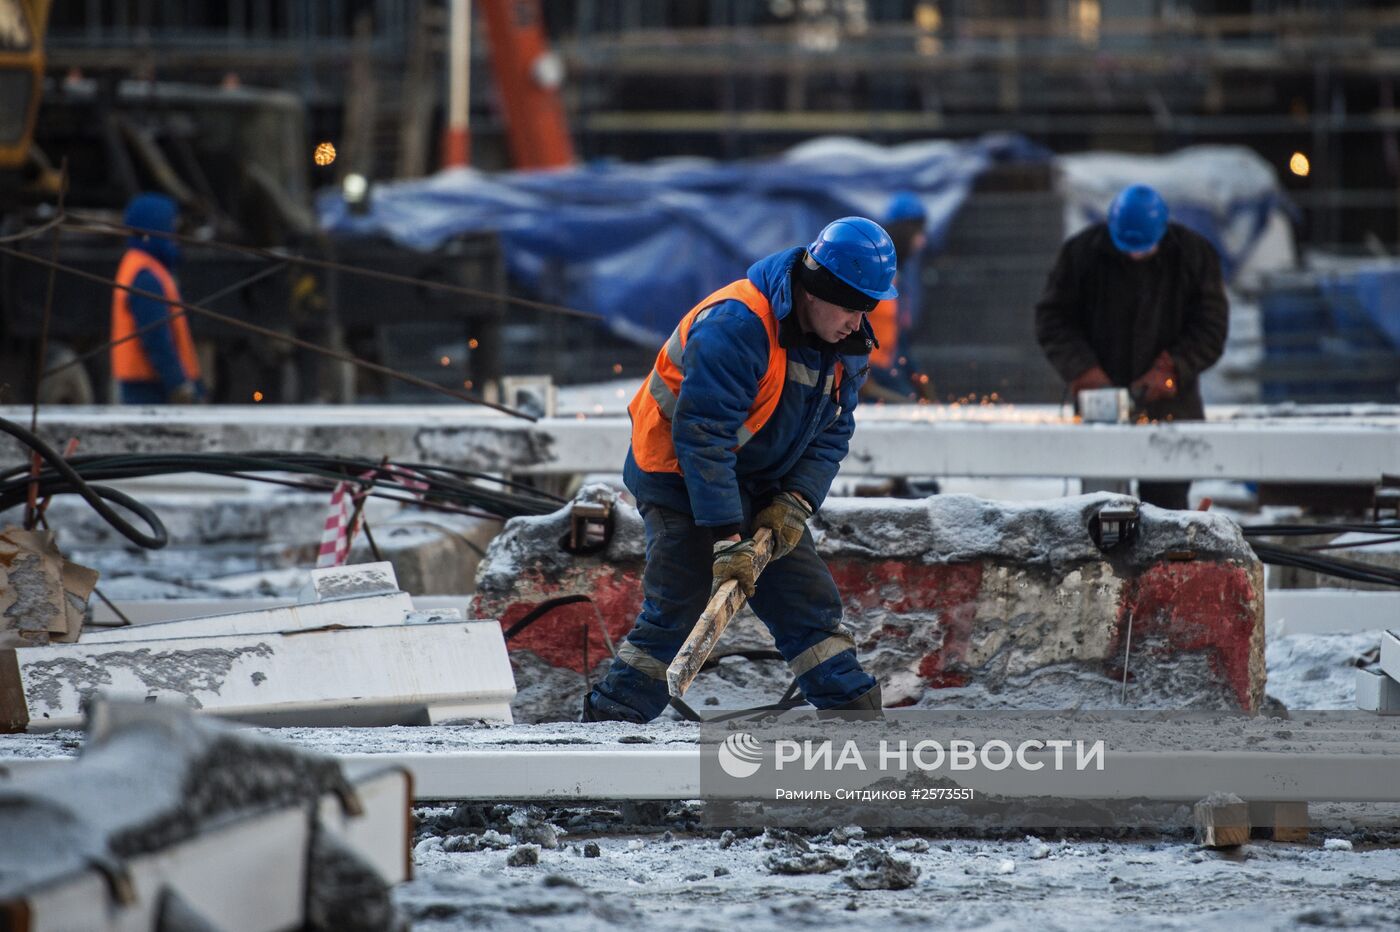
column 156, row 362
column 1137, row 302
column 742, row 424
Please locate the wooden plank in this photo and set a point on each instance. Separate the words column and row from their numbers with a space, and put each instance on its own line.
column 723, row 605
column 14, row 711
column 1222, row 821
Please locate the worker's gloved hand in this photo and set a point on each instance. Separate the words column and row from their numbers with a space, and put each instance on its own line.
column 186, row 393
column 786, row 515
column 734, row 560
column 1157, row 383
column 1089, row 379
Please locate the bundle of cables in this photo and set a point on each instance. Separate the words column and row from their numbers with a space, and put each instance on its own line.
column 1312, row 558
column 439, row 488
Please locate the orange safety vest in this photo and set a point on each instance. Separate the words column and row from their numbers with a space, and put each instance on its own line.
column 129, row 362
column 654, row 404
column 884, row 321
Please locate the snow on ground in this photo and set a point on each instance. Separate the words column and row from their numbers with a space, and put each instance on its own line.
column 1316, row 671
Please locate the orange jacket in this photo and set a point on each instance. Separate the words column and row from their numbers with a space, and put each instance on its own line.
column 884, row 321
column 655, row 402
column 129, row 362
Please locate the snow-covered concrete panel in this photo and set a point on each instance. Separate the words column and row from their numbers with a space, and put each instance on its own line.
column 957, row 600
column 334, row 676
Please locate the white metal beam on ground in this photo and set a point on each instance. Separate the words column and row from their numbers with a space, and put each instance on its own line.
column 1329, row 611
column 888, row 441
column 327, row 677
column 1314, row 757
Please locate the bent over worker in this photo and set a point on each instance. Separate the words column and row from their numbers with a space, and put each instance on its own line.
column 742, row 424
column 158, row 365
column 1137, row 303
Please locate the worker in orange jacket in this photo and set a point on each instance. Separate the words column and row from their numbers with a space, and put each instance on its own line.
column 158, row 365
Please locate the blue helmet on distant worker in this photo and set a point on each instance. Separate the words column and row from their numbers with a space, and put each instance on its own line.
column 1137, row 219
column 859, row 255
column 905, row 205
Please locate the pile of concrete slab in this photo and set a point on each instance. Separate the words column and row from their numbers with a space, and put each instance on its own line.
column 353, row 652
column 168, row 822
column 1378, row 686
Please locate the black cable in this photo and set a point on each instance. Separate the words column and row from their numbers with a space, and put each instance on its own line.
column 93, row 495
column 444, row 490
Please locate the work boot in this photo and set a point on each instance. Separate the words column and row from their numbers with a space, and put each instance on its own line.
column 867, row 705
column 592, row 713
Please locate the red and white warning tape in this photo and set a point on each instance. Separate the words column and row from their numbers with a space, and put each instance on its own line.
column 337, row 533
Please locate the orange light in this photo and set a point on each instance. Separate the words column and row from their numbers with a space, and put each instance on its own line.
column 617, row 368
column 324, row 154
column 446, row 360
column 1171, row 383
column 467, row 384
column 257, row 396
column 472, row 343
column 1298, row 165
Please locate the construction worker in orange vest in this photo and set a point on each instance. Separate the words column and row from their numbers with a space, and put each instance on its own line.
column 159, row 365
column 742, row 424
column 894, row 375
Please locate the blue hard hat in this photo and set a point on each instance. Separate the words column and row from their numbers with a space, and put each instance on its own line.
column 152, row 211
column 860, row 253
column 1137, row 219
column 905, row 205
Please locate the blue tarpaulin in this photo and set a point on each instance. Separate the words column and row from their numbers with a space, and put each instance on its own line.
column 1373, row 291
column 640, row 244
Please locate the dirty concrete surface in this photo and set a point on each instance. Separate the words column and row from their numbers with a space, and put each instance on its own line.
column 685, row 880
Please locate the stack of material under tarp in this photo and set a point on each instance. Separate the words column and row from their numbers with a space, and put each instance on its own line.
column 169, row 822
column 43, row 597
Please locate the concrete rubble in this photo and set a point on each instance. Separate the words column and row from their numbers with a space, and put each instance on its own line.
column 953, row 601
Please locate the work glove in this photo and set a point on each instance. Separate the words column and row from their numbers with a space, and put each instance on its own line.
column 1089, row 379
column 786, row 515
column 735, row 560
column 1156, row 383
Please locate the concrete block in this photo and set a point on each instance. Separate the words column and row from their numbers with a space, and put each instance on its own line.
column 1390, row 653
column 1376, row 692
column 431, row 555
column 958, row 601
column 403, row 675
column 353, row 580
column 128, row 838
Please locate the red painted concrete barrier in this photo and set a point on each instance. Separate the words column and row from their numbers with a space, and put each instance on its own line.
column 956, row 601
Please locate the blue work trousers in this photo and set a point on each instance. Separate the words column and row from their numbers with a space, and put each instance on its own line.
column 796, row 599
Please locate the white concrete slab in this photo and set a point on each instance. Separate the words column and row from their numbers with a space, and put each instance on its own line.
column 326, row 676
column 1376, row 692
column 1329, row 611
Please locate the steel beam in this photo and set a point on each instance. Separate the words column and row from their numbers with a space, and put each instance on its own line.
column 888, row 441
